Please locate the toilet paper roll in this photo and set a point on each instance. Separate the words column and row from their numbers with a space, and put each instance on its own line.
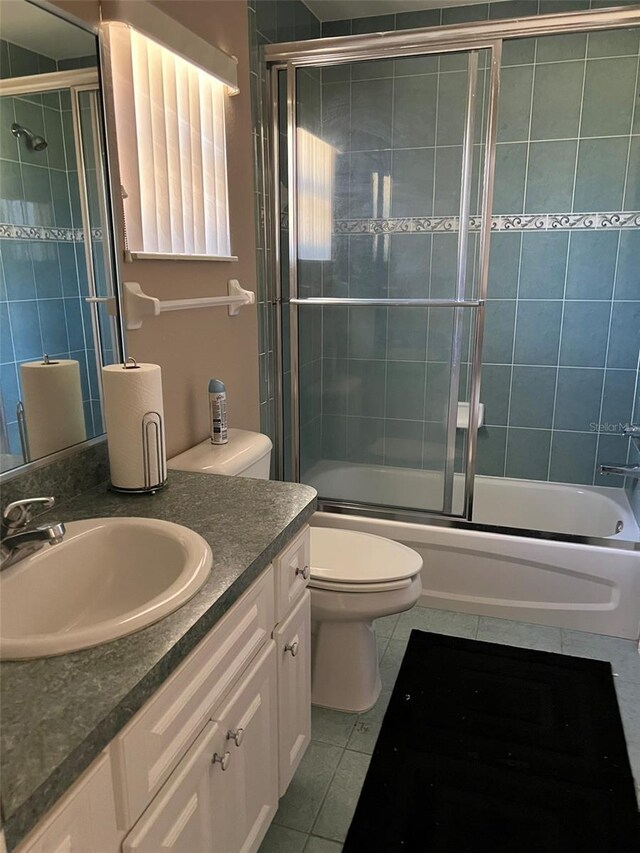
column 53, row 410
column 129, row 393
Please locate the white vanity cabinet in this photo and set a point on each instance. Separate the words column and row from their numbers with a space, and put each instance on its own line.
column 201, row 766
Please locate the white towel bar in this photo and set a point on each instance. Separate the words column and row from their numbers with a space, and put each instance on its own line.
column 138, row 305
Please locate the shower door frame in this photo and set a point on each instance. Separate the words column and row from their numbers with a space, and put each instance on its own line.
column 323, row 52
column 458, row 304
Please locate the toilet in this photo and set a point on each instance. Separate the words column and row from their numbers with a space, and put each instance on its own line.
column 355, row 578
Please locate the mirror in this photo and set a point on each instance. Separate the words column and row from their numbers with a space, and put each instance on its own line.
column 55, row 239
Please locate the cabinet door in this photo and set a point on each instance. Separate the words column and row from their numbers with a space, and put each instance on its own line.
column 244, row 809
column 223, row 794
column 179, row 818
column 293, row 642
column 84, row 821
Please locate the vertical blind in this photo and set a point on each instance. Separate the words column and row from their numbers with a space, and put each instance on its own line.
column 170, row 129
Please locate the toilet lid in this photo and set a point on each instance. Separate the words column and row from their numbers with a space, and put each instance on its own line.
column 348, row 556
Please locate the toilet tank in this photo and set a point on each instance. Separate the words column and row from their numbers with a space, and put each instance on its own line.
column 246, row 454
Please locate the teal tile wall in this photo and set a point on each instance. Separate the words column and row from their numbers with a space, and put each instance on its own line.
column 574, row 296
column 18, row 61
column 42, row 306
column 562, row 333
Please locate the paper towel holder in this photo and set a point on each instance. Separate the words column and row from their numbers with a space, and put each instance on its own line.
column 22, row 431
column 151, row 428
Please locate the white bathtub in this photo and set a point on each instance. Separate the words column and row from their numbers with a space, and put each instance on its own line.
column 585, row 587
column 553, row 507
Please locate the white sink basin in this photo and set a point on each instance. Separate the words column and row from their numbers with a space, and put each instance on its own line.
column 108, row 578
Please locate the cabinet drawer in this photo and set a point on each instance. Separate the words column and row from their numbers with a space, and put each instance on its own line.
column 148, row 749
column 292, row 567
column 293, row 645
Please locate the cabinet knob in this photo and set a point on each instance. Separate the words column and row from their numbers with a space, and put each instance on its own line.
column 304, row 573
column 222, row 760
column 236, row 736
column 292, row 648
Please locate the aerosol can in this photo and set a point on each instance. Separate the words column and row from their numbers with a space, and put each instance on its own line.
column 218, row 412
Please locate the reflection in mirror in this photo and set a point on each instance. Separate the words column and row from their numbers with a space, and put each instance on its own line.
column 55, row 251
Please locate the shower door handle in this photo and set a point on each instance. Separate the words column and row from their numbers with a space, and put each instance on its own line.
column 354, row 302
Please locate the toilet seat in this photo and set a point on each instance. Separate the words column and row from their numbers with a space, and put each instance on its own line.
column 333, row 586
column 348, row 560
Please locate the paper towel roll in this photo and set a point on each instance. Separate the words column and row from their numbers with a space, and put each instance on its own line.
column 129, row 393
column 53, row 410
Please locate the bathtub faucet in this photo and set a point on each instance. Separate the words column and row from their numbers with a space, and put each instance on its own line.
column 632, row 430
column 632, row 470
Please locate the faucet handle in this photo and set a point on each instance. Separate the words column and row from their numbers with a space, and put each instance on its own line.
column 19, row 513
column 632, row 429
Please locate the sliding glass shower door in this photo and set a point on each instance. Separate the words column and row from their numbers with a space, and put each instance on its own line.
column 385, row 170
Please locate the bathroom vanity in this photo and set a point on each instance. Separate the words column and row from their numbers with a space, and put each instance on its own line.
column 183, row 736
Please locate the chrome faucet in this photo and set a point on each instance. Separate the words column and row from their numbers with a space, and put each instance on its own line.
column 20, row 537
column 626, row 470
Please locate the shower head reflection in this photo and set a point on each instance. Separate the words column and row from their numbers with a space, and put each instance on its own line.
column 32, row 140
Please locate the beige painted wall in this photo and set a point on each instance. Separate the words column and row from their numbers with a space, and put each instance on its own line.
column 193, row 346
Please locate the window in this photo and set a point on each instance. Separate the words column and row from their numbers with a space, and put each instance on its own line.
column 170, row 128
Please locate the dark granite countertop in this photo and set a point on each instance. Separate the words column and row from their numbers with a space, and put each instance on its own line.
column 58, row 714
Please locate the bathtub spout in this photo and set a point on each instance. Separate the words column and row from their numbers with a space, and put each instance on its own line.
column 625, row 470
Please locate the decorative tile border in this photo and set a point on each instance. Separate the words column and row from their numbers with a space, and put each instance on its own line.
column 46, row 233
column 405, row 225
column 511, row 222
column 566, row 221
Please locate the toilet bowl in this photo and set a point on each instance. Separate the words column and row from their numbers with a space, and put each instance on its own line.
column 355, row 578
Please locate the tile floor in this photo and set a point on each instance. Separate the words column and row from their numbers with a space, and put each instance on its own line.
column 316, row 811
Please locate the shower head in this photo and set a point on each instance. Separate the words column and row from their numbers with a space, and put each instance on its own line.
column 33, row 142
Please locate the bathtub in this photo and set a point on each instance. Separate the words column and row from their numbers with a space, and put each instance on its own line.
column 587, row 587
column 595, row 511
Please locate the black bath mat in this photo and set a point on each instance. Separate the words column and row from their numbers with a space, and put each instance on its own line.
column 492, row 749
